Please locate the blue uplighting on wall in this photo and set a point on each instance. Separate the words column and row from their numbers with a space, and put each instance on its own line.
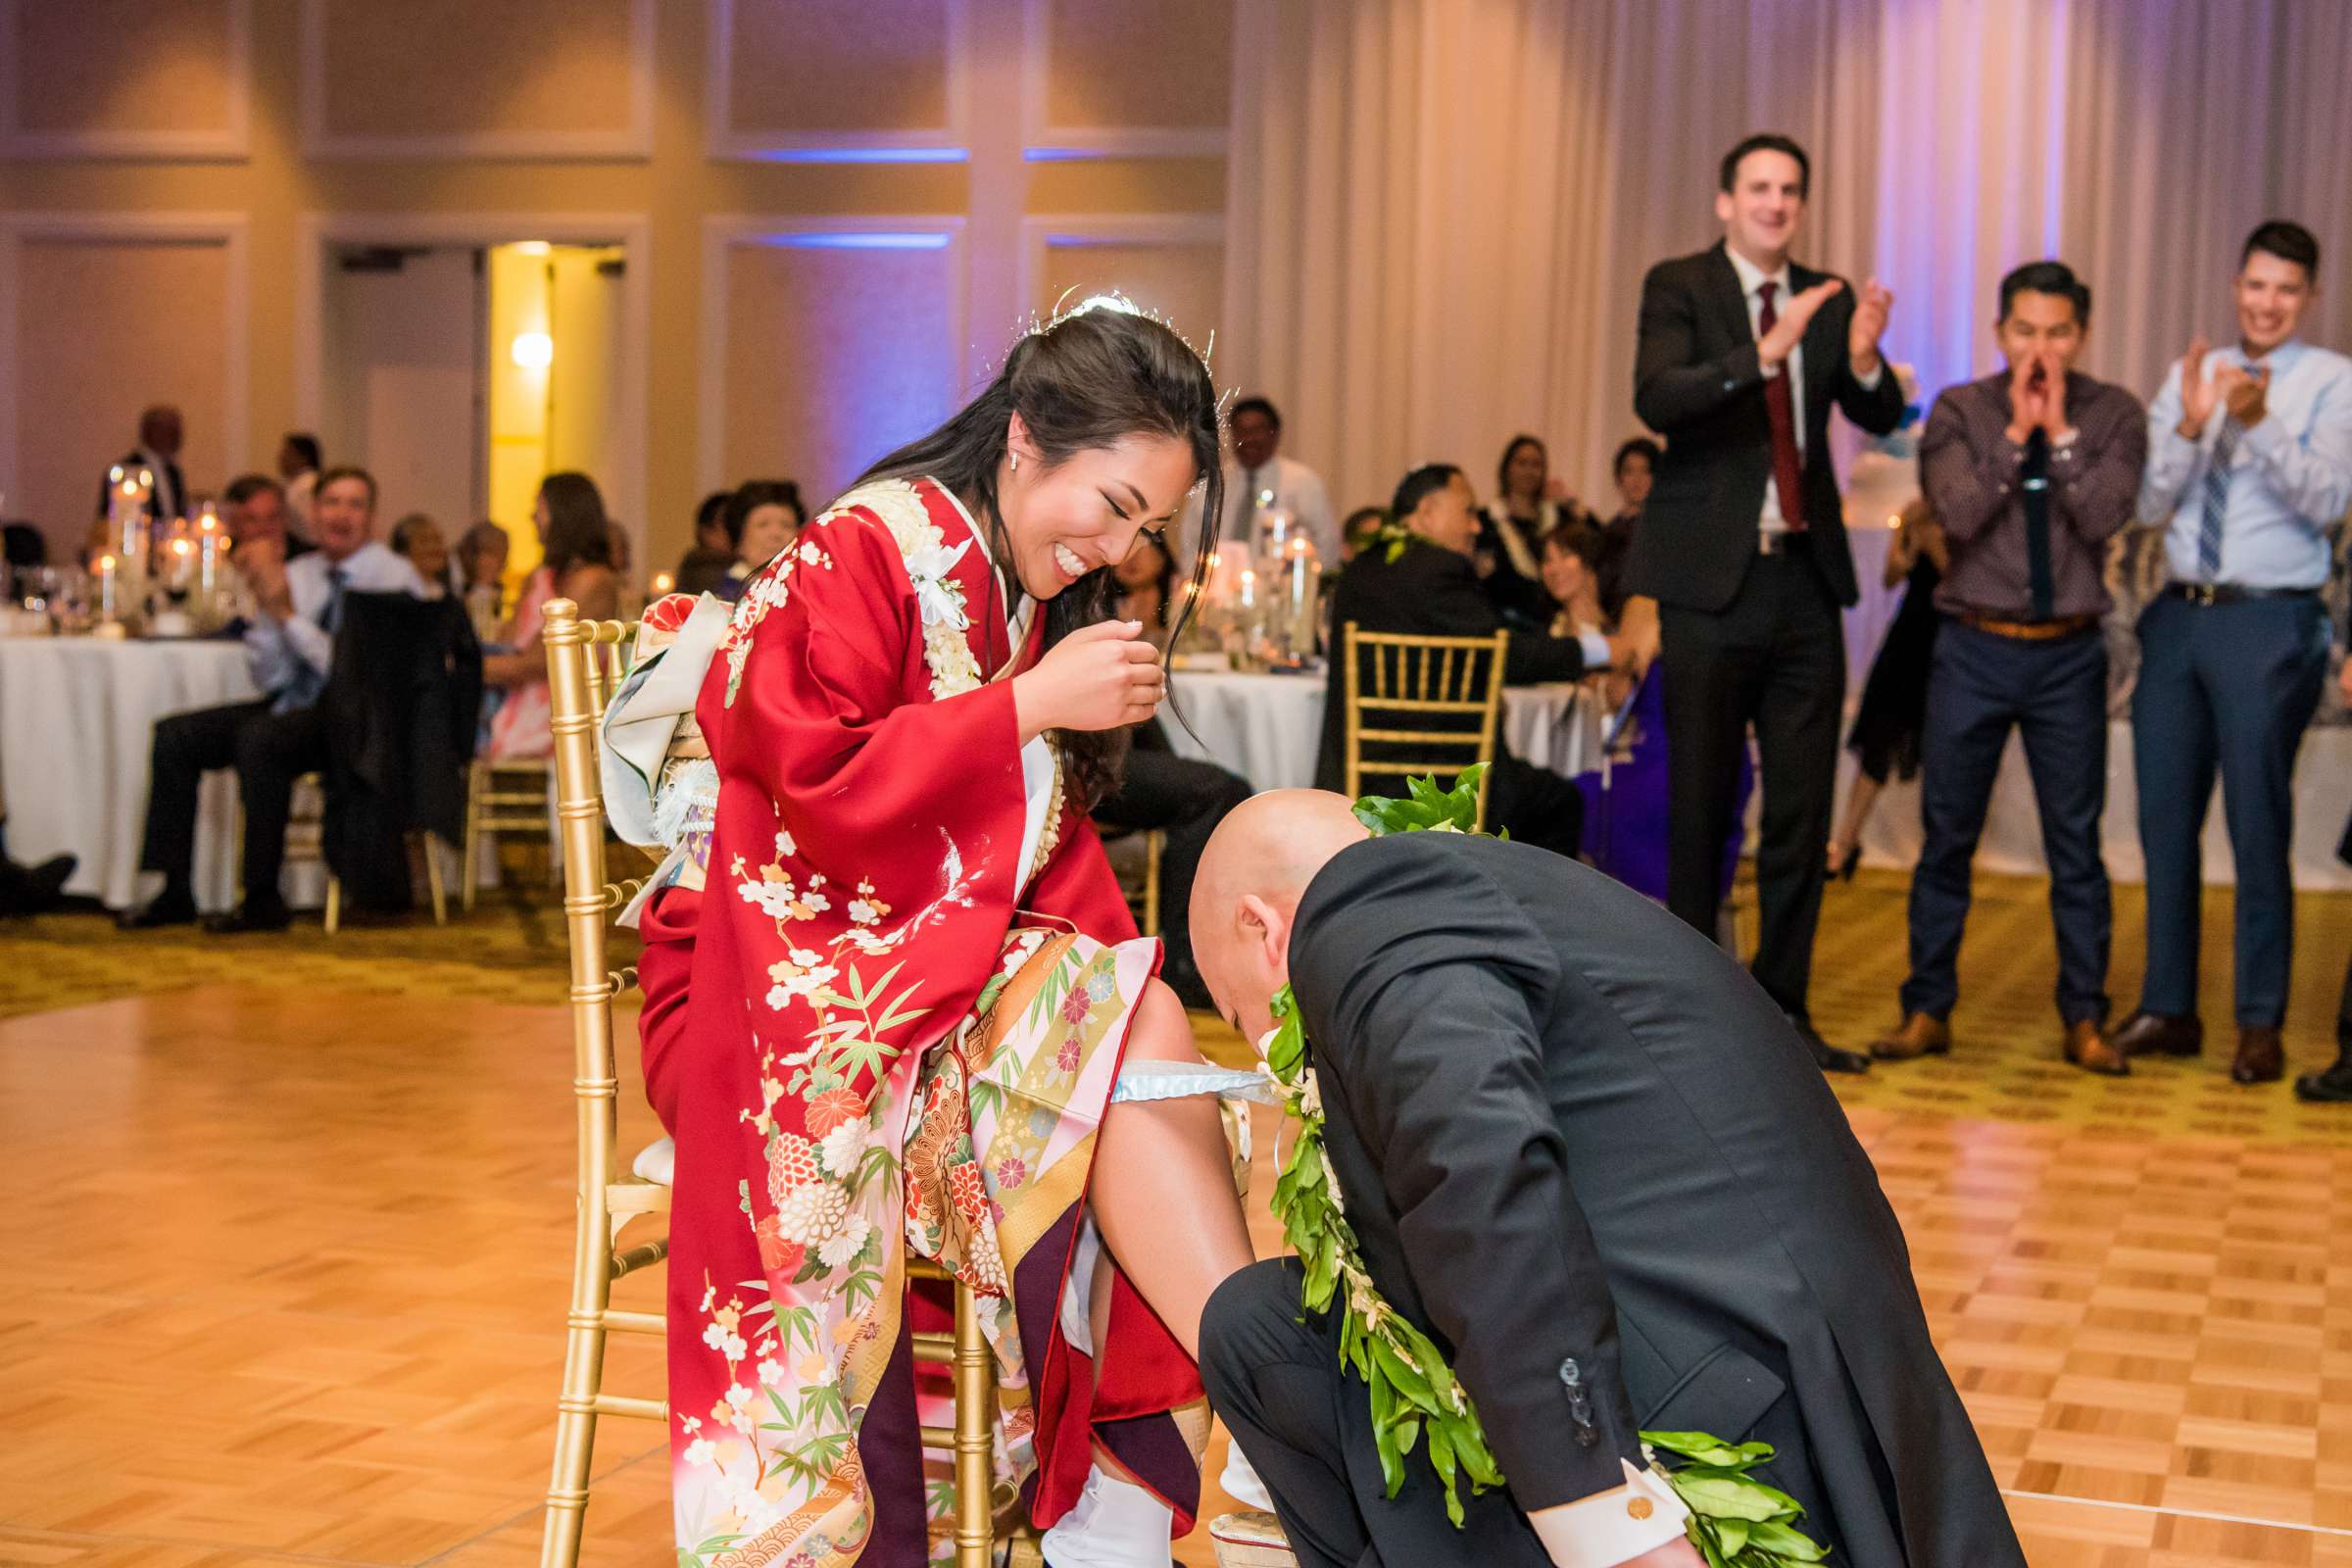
column 858, row 154
column 857, row 241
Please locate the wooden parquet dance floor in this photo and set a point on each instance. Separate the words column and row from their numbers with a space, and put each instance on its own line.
column 288, row 1226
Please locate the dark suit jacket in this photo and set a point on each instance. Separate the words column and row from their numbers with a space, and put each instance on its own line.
column 1569, row 1128
column 1697, row 383
column 1425, row 592
column 402, row 696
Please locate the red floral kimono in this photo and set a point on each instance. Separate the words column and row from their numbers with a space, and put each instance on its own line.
column 863, row 1047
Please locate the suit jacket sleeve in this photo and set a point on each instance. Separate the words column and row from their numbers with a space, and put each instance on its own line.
column 1433, row 1044
column 1453, row 607
column 1674, row 384
column 1877, row 408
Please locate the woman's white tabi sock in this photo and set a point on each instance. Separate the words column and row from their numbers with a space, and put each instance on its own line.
column 1116, row 1524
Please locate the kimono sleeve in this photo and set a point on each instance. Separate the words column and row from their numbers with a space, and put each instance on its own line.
column 829, row 707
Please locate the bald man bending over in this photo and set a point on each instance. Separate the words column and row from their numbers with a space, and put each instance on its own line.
column 1585, row 1153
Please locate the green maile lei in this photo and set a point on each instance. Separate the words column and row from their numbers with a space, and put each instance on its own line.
column 1735, row 1520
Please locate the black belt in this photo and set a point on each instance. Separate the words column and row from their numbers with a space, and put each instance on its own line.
column 2230, row 593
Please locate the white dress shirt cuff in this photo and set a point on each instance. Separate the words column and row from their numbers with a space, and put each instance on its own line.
column 1596, row 651
column 1870, row 382
column 1610, row 1526
column 2267, row 441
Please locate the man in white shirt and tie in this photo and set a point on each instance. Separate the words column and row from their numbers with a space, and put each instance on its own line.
column 1260, row 477
column 277, row 738
column 2249, row 469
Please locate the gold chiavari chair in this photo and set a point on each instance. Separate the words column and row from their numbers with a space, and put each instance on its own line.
column 1135, row 860
column 306, row 841
column 1396, row 683
column 501, row 798
column 585, row 662
column 581, row 658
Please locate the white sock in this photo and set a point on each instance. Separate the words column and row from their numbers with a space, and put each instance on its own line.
column 1116, row 1524
column 1240, row 1482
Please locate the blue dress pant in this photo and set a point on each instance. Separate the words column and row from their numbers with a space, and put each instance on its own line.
column 2226, row 686
column 2054, row 695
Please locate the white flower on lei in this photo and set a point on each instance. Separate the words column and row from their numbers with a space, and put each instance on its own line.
column 843, row 1245
column 936, row 594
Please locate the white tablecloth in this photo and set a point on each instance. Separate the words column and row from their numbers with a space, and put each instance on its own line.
column 2012, row 841
column 76, row 726
column 1266, row 727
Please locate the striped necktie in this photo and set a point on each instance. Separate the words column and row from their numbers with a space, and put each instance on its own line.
column 2217, row 504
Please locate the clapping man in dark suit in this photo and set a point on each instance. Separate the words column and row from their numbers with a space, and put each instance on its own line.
column 1741, row 355
column 1588, row 1157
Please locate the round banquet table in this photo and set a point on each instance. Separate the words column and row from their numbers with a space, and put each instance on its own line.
column 1266, row 727
column 76, row 729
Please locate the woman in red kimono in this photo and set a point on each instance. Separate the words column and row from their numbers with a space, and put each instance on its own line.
column 890, row 984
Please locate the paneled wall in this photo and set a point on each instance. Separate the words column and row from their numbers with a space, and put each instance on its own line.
column 837, row 213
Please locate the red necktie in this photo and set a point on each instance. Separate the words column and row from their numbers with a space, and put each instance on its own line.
column 1785, row 468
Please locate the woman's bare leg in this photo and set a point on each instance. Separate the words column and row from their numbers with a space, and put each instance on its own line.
column 1858, row 801
column 1162, row 1160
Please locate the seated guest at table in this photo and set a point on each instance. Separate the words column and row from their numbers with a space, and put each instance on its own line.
column 1258, row 475
column 481, row 572
column 762, row 519
column 1147, row 585
column 705, row 566
column 257, row 515
column 418, row 539
column 298, row 470
column 1636, row 462
column 1355, row 534
column 32, row 889
column 1885, row 736
column 277, row 738
column 1179, row 796
column 1417, row 579
column 2030, row 470
column 575, row 539
column 1529, row 506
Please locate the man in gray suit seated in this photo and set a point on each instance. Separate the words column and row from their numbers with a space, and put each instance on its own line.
column 1585, row 1153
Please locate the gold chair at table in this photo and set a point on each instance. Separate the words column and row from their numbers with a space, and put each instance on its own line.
column 1135, row 860
column 584, row 666
column 306, row 841
column 1417, row 680
column 501, row 798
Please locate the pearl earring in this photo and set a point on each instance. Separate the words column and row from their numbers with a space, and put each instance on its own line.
column 1014, row 466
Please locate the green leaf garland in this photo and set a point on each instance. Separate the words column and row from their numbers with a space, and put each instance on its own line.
column 1735, row 1521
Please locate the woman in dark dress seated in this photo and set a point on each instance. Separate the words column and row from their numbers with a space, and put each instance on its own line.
column 1625, row 798
column 1885, row 739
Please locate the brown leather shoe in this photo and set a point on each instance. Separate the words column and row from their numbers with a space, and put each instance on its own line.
column 2260, row 1060
column 1920, row 1035
column 2093, row 1052
column 2152, row 1034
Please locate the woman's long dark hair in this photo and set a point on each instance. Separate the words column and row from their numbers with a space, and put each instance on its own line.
column 578, row 533
column 1081, row 383
column 1503, row 470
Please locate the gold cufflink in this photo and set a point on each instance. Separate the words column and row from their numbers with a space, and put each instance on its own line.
column 1641, row 1507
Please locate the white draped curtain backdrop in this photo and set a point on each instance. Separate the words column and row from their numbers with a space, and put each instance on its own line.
column 1439, row 211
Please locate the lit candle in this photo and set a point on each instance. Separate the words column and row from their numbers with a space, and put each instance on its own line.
column 105, row 587
column 208, row 543
column 1248, row 589
column 664, row 582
